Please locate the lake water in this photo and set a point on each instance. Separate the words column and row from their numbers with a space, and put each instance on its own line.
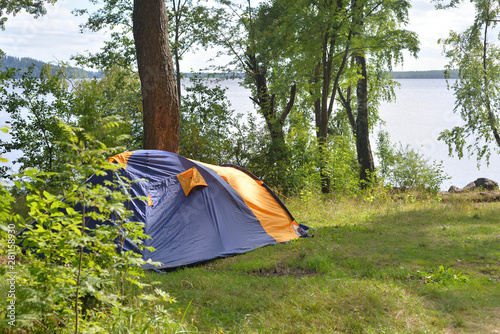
column 422, row 110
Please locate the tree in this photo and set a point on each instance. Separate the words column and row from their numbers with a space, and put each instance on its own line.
column 317, row 35
column 363, row 147
column 209, row 128
column 251, row 38
column 262, row 61
column 191, row 25
column 110, row 107
column 116, row 17
column 477, row 59
column 376, row 31
column 161, row 115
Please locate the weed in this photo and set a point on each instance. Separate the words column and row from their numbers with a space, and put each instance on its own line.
column 442, row 276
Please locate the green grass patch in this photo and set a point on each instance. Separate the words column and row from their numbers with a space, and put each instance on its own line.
column 388, row 267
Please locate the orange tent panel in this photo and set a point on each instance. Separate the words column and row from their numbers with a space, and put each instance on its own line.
column 273, row 218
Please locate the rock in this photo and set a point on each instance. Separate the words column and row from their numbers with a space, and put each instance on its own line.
column 469, row 186
column 486, row 184
column 482, row 183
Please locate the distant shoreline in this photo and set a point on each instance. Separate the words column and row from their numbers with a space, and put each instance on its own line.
column 23, row 64
column 434, row 74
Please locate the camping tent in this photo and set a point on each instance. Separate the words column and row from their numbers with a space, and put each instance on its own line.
column 195, row 212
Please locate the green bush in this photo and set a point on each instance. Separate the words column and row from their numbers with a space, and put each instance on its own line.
column 35, row 105
column 288, row 169
column 108, row 107
column 343, row 165
column 406, row 168
column 116, row 96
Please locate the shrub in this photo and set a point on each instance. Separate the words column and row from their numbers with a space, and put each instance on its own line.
column 406, row 168
column 343, row 165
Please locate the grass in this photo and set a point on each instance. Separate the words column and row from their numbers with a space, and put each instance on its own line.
column 402, row 266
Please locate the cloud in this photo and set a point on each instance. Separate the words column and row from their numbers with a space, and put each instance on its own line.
column 53, row 37
column 431, row 24
column 56, row 36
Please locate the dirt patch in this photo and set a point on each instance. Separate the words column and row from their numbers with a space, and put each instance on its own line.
column 471, row 196
column 283, row 271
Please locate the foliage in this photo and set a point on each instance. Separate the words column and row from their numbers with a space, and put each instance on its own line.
column 23, row 65
column 252, row 149
column 247, row 37
column 286, row 176
column 116, row 17
column 7, row 199
column 476, row 56
column 191, row 25
column 406, row 168
column 343, row 165
column 311, row 44
column 299, row 171
column 72, row 274
column 4, row 129
column 35, row 106
column 442, row 276
column 209, row 128
column 117, row 97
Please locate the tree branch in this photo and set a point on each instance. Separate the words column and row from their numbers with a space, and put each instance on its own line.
column 290, row 103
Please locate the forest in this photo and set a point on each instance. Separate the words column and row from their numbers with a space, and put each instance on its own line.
column 389, row 252
column 23, row 65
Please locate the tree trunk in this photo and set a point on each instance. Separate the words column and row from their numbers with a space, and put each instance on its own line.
column 266, row 102
column 365, row 157
column 160, row 102
column 178, row 76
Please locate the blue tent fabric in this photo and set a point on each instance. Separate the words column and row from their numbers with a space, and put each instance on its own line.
column 212, row 221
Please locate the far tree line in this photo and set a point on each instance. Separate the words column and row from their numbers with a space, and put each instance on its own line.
column 23, row 63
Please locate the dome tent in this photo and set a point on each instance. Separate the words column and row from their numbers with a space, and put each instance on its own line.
column 195, row 212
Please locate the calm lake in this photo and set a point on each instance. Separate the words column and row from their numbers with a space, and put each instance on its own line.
column 422, row 110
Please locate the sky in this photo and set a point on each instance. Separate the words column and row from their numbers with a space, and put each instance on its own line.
column 57, row 36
